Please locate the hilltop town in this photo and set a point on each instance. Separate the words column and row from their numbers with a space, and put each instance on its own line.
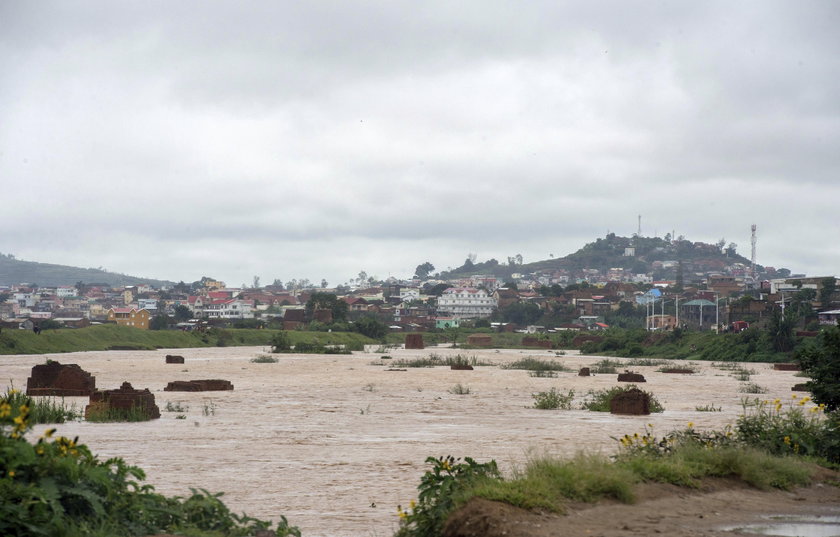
column 658, row 284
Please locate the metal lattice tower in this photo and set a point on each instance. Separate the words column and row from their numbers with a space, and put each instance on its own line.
column 752, row 257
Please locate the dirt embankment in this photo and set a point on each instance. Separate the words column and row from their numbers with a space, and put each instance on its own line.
column 718, row 508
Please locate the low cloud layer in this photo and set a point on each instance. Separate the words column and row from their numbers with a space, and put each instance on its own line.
column 316, row 140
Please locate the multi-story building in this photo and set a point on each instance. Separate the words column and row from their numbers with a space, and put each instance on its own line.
column 230, row 308
column 466, row 303
column 130, row 317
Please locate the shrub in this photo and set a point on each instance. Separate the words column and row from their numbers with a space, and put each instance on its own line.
column 553, row 399
column 459, row 389
column 264, row 359
column 536, row 364
column 46, row 410
column 599, row 401
column 796, row 427
column 752, row 387
column 606, row 366
column 441, row 490
column 281, row 342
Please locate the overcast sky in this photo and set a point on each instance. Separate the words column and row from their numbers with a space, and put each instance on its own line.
column 177, row 140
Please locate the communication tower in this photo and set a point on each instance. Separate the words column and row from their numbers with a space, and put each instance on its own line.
column 752, row 257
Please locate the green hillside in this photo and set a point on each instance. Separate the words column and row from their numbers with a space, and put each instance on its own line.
column 609, row 252
column 14, row 271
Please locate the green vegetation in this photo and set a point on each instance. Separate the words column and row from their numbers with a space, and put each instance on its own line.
column 765, row 450
column 56, row 486
column 42, row 409
column 599, row 401
column 264, row 359
column 708, row 408
column 299, row 342
column 459, row 389
column 441, row 489
column 176, row 407
column 435, row 360
column 553, row 400
column 536, row 364
column 114, row 337
column 606, row 366
column 821, row 362
column 752, row 387
column 105, row 413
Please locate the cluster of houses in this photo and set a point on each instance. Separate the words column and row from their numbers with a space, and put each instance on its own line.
column 414, row 305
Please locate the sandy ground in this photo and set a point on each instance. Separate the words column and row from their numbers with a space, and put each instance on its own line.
column 335, row 443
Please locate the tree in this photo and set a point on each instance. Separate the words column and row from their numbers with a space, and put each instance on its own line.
column 423, row 270
column 821, row 362
column 159, row 322
column 327, row 301
column 324, row 283
column 182, row 313
column 371, row 327
column 521, row 313
column 438, row 289
column 827, row 288
column 781, row 329
column 81, row 288
column 256, row 282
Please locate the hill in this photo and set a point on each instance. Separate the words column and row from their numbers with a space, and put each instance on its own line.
column 611, row 252
column 14, row 271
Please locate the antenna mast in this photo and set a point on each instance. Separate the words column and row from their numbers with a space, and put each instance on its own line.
column 639, row 233
column 752, row 257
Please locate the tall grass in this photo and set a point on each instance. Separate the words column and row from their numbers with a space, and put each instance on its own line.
column 536, row 364
column 599, row 400
column 41, row 409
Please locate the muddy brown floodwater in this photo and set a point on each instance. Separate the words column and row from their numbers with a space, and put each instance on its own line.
column 336, row 442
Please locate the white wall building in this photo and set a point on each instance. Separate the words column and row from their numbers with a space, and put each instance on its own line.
column 229, row 309
column 466, row 303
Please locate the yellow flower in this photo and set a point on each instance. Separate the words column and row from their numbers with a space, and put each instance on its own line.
column 412, row 504
column 11, row 473
column 5, row 409
column 777, row 401
column 814, row 410
column 690, row 424
column 794, row 396
column 48, row 433
column 787, row 440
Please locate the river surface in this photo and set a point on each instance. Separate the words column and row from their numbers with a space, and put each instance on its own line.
column 336, row 442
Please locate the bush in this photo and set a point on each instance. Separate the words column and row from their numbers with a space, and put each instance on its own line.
column 599, row 401
column 281, row 342
column 552, row 400
column 795, row 427
column 441, row 490
column 821, row 362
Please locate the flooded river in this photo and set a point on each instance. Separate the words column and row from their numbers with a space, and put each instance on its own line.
column 335, row 443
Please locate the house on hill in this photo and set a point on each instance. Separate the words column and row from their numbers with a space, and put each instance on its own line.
column 130, row 317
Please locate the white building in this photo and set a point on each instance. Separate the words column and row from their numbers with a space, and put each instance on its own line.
column 232, row 308
column 466, row 303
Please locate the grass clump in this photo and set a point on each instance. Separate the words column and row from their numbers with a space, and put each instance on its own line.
column 541, row 373
column 708, row 408
column 606, row 366
column 459, row 389
column 553, row 400
column 752, row 387
column 41, row 410
column 103, row 413
column 56, row 486
column 264, row 359
column 176, row 407
column 535, row 364
column 599, row 401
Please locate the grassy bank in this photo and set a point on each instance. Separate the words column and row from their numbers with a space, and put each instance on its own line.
column 113, row 337
column 770, row 447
